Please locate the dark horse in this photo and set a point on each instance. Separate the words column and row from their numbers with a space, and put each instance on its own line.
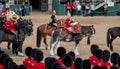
column 112, row 33
column 25, row 29
column 77, row 37
column 45, row 30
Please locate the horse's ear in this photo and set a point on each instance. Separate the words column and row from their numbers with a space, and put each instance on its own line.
column 92, row 25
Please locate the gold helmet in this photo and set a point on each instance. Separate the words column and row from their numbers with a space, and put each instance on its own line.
column 14, row 17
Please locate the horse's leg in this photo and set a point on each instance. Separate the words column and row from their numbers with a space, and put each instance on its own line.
column 56, row 47
column 8, row 45
column 111, row 46
column 44, row 40
column 14, row 48
column 20, row 49
column 76, row 47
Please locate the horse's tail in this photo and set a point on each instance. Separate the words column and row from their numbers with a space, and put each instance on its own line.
column 108, row 37
column 38, row 38
column 88, row 41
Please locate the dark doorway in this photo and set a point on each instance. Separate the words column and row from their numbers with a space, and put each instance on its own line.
column 41, row 5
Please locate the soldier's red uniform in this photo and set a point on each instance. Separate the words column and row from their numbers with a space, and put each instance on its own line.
column 39, row 65
column 9, row 25
column 68, row 23
column 68, row 6
column 107, row 64
column 60, row 62
column 93, row 60
column 73, row 4
column 72, row 66
column 4, row 12
column 1, row 66
column 27, row 62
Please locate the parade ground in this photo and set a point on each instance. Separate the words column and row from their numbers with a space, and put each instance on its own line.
column 101, row 24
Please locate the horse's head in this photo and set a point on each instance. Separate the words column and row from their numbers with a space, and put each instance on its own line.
column 88, row 30
column 26, row 26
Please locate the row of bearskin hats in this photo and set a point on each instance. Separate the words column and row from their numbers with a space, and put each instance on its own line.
column 105, row 55
column 8, row 62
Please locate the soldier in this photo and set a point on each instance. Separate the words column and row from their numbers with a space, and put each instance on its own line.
column 53, row 18
column 86, row 64
column 27, row 61
column 78, row 63
column 113, row 58
column 68, row 7
column 60, row 52
column 67, row 61
column 10, row 25
column 93, row 57
column 105, row 58
column 21, row 67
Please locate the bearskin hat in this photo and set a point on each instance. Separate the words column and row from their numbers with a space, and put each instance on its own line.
column 1, row 52
column 118, row 61
column 67, row 60
column 96, row 67
column 86, row 64
column 72, row 54
column 2, row 57
column 14, row 66
column 61, row 51
column 28, row 51
column 114, row 67
column 50, row 62
column 94, row 48
column 6, row 61
column 103, row 67
column 114, row 58
column 33, row 52
column 99, row 54
column 10, row 64
column 46, row 60
column 21, row 67
column 39, row 55
column 106, row 55
column 56, row 65
column 78, row 63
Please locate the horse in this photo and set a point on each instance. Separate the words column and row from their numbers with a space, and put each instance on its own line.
column 25, row 28
column 45, row 30
column 57, row 36
column 112, row 34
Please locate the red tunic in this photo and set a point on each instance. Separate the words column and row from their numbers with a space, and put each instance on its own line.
column 27, row 62
column 9, row 25
column 68, row 7
column 72, row 66
column 107, row 64
column 1, row 66
column 39, row 65
column 93, row 59
column 4, row 12
column 60, row 62
column 73, row 4
column 68, row 23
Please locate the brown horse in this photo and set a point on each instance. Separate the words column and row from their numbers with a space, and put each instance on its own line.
column 45, row 30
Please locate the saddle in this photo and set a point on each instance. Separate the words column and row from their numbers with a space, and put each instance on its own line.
column 60, row 23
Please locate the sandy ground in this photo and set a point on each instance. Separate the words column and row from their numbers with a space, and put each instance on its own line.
column 101, row 24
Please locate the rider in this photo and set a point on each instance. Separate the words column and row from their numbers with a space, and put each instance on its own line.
column 53, row 22
column 10, row 25
column 68, row 24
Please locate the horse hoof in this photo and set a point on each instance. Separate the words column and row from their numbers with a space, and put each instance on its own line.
column 20, row 54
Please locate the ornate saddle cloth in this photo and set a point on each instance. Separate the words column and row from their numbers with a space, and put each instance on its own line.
column 76, row 28
column 60, row 22
column 48, row 27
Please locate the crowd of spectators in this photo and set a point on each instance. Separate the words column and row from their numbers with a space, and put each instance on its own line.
column 83, row 8
column 19, row 10
column 99, row 59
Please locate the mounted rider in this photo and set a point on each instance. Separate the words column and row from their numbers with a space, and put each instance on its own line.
column 11, row 23
column 53, row 18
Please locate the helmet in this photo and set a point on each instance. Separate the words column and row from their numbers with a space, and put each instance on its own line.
column 14, row 17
